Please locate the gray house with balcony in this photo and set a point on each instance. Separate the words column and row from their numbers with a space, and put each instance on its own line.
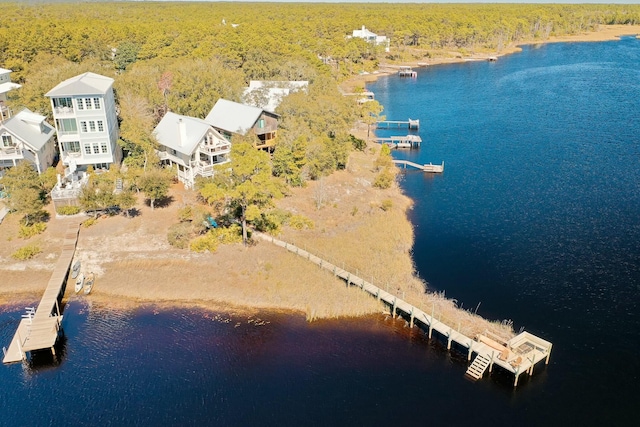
column 84, row 112
column 191, row 146
column 27, row 137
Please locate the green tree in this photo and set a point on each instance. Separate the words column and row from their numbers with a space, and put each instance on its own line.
column 155, row 185
column 22, row 184
column 371, row 113
column 125, row 55
column 289, row 159
column 246, row 187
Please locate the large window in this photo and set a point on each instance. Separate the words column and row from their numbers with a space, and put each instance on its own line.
column 71, row 146
column 59, row 103
column 83, row 126
column 103, row 147
column 67, row 126
column 96, row 149
column 7, row 141
column 96, row 103
column 87, row 148
column 92, row 126
column 80, row 104
column 100, row 126
column 87, row 103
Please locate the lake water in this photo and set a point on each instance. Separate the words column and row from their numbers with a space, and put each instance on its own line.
column 536, row 218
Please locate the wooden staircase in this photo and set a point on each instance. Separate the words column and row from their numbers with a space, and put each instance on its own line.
column 478, row 367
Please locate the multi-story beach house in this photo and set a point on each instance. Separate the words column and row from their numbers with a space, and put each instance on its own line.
column 232, row 118
column 191, row 146
column 84, row 111
column 27, row 137
column 373, row 38
column 6, row 85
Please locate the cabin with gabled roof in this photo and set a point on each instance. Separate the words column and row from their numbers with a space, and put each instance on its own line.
column 27, row 137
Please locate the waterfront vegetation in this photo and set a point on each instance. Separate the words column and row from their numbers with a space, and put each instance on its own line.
column 183, row 57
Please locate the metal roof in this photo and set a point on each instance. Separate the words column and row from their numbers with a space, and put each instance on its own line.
column 168, row 132
column 233, row 117
column 30, row 128
column 84, row 84
column 7, row 86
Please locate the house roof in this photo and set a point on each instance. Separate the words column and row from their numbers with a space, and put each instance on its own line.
column 84, row 84
column 233, row 117
column 4, row 71
column 269, row 94
column 30, row 128
column 168, row 132
column 364, row 33
column 7, row 86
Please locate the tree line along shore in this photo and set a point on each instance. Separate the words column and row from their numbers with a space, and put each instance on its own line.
column 336, row 186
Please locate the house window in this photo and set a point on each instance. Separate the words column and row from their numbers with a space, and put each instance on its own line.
column 172, row 151
column 62, row 103
column 83, row 126
column 87, row 103
column 7, row 141
column 96, row 149
column 71, row 146
column 100, row 126
column 67, row 126
column 103, row 147
column 92, row 126
column 87, row 149
column 261, row 124
column 80, row 104
column 96, row 103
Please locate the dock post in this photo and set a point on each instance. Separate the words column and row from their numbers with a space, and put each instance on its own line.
column 57, row 307
column 430, row 327
column 470, row 350
column 515, row 382
column 449, row 339
column 395, row 300
column 533, row 363
column 378, row 294
column 411, row 322
column 491, row 363
column 348, row 279
column 548, row 354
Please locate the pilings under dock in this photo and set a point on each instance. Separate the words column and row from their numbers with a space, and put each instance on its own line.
column 518, row 355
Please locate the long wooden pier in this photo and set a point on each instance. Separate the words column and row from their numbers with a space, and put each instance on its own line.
column 406, row 141
column 426, row 167
column 518, row 355
column 388, row 124
column 40, row 327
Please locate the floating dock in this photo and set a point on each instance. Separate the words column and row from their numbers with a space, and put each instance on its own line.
column 40, row 327
column 518, row 355
column 425, row 168
column 409, row 124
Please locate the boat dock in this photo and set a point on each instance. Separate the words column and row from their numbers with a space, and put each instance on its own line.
column 517, row 355
column 388, row 124
column 407, row 141
column 406, row 71
column 426, row 168
column 40, row 327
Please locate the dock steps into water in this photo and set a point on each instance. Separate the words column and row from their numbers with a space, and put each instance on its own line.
column 477, row 369
column 426, row 168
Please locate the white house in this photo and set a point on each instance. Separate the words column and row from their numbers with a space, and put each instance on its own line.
column 372, row 37
column 27, row 137
column 84, row 111
column 190, row 145
column 5, row 86
column 269, row 94
column 231, row 118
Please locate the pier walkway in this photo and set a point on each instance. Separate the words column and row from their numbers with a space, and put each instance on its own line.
column 409, row 124
column 518, row 355
column 406, row 141
column 426, row 168
column 40, row 327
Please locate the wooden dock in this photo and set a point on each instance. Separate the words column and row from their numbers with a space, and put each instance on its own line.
column 518, row 355
column 40, row 327
column 406, row 141
column 388, row 124
column 406, row 71
column 426, row 168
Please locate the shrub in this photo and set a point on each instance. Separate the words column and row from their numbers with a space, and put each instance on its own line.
column 384, row 179
column 185, row 213
column 232, row 234
column 26, row 252
column 89, row 222
column 300, row 222
column 28, row 231
column 179, row 235
column 68, row 210
column 208, row 242
column 386, row 205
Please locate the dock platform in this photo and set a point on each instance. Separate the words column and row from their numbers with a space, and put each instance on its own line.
column 40, row 327
column 406, row 141
column 425, row 168
column 518, row 355
column 388, row 124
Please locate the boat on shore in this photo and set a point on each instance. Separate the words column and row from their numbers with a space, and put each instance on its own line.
column 79, row 282
column 75, row 270
column 88, row 283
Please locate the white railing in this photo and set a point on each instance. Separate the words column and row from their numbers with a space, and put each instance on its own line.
column 63, row 110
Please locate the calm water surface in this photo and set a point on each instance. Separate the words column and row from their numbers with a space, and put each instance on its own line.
column 536, row 218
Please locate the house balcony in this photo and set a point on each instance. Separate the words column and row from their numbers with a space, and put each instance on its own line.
column 63, row 111
column 215, row 149
column 266, row 129
column 11, row 153
column 71, row 187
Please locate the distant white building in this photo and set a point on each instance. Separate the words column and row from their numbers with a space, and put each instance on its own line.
column 5, row 87
column 191, row 146
column 269, row 94
column 231, row 118
column 372, row 37
column 27, row 137
column 86, row 121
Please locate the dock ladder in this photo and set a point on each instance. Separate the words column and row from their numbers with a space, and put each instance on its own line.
column 478, row 367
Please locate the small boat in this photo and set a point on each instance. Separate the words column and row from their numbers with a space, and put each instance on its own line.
column 79, row 282
column 88, row 283
column 75, row 269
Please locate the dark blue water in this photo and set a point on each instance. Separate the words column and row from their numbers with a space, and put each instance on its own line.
column 536, row 218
